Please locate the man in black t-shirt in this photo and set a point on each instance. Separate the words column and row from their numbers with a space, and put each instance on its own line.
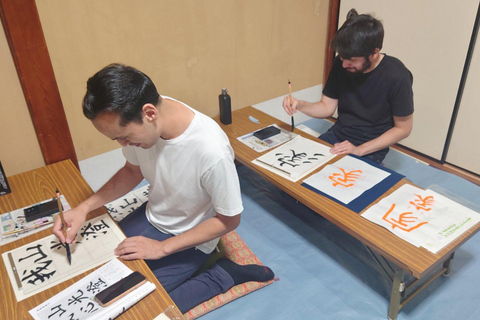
column 373, row 93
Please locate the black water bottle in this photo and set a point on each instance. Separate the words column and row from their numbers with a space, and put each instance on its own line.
column 225, row 107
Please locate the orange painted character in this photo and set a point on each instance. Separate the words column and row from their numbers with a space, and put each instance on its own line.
column 405, row 221
column 423, row 203
column 346, row 179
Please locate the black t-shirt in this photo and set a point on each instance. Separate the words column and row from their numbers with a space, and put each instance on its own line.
column 367, row 102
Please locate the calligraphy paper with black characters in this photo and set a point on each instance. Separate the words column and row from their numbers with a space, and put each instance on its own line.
column 77, row 301
column 142, row 193
column 122, row 207
column 424, row 218
column 43, row 263
column 296, row 158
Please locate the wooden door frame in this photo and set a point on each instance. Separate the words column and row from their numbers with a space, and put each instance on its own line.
column 26, row 40
column 333, row 11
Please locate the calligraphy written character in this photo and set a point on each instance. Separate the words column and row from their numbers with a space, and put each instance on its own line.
column 90, row 305
column 345, row 179
column 111, row 209
column 56, row 244
column 116, row 215
column 128, row 204
column 58, row 309
column 97, row 286
column 296, row 159
column 406, row 221
column 39, row 251
column 421, row 203
column 39, row 272
column 93, row 230
column 77, row 299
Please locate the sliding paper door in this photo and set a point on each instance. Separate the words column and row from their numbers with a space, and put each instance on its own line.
column 431, row 38
column 464, row 150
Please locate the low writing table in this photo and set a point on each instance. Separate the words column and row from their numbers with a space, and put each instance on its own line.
column 385, row 247
column 37, row 185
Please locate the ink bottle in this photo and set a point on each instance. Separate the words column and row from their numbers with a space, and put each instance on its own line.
column 225, row 107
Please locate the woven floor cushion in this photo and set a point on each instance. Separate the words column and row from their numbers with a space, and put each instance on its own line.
column 237, row 251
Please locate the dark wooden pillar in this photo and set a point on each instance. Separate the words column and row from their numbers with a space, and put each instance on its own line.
column 333, row 10
column 30, row 54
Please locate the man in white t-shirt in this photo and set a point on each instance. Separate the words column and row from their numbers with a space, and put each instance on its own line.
column 194, row 194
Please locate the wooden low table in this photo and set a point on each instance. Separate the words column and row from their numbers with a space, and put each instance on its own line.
column 383, row 245
column 37, row 185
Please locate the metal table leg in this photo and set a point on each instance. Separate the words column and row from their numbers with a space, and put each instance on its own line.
column 448, row 265
column 397, row 288
column 402, row 293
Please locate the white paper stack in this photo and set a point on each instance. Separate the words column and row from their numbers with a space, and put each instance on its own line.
column 76, row 302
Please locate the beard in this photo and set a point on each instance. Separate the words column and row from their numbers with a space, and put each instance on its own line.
column 366, row 65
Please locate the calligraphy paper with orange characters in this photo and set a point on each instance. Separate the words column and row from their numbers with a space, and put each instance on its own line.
column 346, row 179
column 424, row 218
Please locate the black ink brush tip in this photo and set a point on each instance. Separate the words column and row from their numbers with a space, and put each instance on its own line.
column 69, row 255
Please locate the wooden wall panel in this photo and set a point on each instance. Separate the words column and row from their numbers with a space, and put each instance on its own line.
column 191, row 49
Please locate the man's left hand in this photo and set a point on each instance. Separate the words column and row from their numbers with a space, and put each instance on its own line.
column 139, row 248
column 345, row 147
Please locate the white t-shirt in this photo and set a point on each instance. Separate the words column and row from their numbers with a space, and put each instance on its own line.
column 191, row 177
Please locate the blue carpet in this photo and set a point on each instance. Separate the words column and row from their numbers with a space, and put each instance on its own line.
column 326, row 274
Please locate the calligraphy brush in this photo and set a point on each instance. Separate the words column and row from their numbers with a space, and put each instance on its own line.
column 67, row 246
column 290, row 98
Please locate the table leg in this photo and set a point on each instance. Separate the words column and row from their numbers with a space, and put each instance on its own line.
column 448, row 265
column 397, row 288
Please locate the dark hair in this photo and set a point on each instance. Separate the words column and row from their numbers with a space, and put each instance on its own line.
column 120, row 89
column 359, row 36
